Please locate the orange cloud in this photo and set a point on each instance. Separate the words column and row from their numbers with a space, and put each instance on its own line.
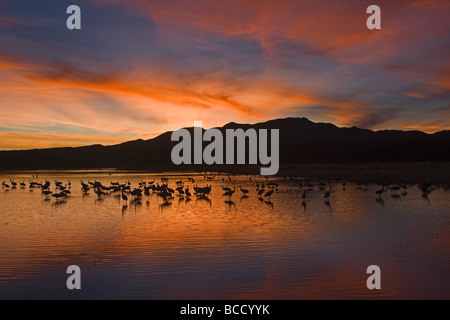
column 13, row 141
column 305, row 59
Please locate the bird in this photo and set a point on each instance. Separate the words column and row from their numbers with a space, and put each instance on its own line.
column 327, row 194
column 395, row 189
column 260, row 192
column 124, row 197
column 230, row 193
column 59, row 195
column 244, row 191
column 268, row 194
column 380, row 192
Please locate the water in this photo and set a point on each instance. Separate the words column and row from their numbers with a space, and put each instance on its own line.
column 217, row 249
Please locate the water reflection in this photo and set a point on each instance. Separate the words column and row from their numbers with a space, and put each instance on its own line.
column 182, row 236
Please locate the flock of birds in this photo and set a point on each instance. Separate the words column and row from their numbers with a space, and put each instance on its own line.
column 62, row 191
column 264, row 190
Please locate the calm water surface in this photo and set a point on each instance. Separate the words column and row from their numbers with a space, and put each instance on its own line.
column 220, row 249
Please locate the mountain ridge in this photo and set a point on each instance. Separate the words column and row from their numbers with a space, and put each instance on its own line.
column 301, row 141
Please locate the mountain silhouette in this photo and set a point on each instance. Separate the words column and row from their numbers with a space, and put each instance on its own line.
column 301, row 142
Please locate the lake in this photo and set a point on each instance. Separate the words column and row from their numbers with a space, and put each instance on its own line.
column 218, row 247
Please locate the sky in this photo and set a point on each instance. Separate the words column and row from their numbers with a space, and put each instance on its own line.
column 139, row 68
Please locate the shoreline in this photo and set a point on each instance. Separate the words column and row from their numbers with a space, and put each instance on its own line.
column 393, row 172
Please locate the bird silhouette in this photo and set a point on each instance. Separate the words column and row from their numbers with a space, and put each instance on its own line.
column 268, row 194
column 260, row 192
column 380, row 192
column 244, row 191
column 327, row 194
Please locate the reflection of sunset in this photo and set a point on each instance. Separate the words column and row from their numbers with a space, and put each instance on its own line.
column 239, row 61
column 244, row 249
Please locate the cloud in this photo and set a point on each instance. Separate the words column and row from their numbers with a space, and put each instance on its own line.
column 152, row 66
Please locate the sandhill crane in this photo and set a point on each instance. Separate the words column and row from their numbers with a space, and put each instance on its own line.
column 395, row 189
column 59, row 196
column 230, row 193
column 268, row 194
column 260, row 192
column 124, row 197
column 327, row 194
column 137, row 193
column 99, row 192
column 206, row 190
column 380, row 192
column 244, row 191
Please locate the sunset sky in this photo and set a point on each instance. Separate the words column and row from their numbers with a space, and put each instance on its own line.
column 139, row 68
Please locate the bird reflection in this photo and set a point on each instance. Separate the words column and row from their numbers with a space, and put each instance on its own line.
column 99, row 201
column 204, row 198
column 230, row 204
column 244, row 197
column 380, row 201
column 396, row 196
column 166, row 204
column 328, row 204
column 59, row 202
column 425, row 197
column 269, row 203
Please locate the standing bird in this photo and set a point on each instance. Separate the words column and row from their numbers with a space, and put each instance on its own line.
column 124, row 197
column 380, row 192
column 327, row 194
column 260, row 192
column 268, row 194
column 244, row 191
column 230, row 193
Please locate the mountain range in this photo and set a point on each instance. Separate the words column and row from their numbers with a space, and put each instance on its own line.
column 301, row 142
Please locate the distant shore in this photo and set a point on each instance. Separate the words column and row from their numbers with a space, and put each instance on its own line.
column 404, row 172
